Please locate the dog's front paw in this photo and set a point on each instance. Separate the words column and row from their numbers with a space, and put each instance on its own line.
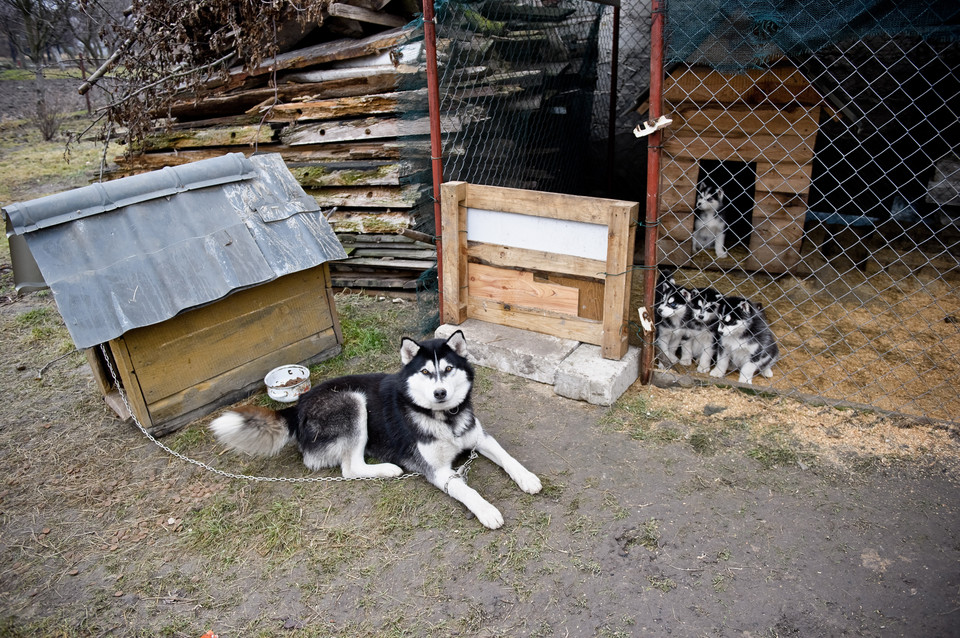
column 488, row 515
column 703, row 368
column 716, row 372
column 528, row 482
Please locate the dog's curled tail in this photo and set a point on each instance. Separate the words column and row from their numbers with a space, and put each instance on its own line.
column 253, row 430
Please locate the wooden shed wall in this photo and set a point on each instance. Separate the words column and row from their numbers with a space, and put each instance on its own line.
column 186, row 367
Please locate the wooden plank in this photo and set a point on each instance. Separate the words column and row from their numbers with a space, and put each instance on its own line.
column 688, row 144
column 369, row 129
column 369, row 222
column 217, row 136
column 591, row 294
column 320, row 176
column 535, row 320
column 324, row 52
column 780, row 85
column 784, row 177
column 227, row 334
column 517, row 287
column 98, row 367
column 345, row 279
column 407, row 196
column 379, row 150
column 127, row 371
column 341, row 10
column 777, row 235
column 714, row 118
column 592, row 210
column 395, row 253
column 453, row 236
column 616, row 293
column 510, row 257
column 397, row 264
column 234, row 384
column 329, row 86
column 348, row 107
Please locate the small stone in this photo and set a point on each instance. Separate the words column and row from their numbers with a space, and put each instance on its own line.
column 710, row 410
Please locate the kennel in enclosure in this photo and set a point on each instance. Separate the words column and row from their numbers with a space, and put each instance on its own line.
column 833, row 130
column 832, row 126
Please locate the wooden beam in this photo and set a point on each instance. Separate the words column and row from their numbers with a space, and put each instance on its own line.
column 342, row 10
column 348, row 107
column 453, row 222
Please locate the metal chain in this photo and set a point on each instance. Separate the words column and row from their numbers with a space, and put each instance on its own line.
column 461, row 472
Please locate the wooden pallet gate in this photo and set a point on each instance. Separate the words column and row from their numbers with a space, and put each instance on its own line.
column 546, row 262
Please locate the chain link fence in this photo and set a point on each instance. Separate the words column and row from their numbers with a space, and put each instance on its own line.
column 833, row 133
column 524, row 91
column 832, row 130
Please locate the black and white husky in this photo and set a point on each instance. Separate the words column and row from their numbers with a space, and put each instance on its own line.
column 701, row 341
column 746, row 341
column 709, row 227
column 416, row 420
column 673, row 317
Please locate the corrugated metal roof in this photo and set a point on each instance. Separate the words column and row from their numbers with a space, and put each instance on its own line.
column 137, row 251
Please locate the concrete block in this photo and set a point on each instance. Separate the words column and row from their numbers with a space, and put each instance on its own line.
column 519, row 352
column 586, row 376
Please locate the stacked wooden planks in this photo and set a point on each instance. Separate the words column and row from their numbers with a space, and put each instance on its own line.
column 349, row 117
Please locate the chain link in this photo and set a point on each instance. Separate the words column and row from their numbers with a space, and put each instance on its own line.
column 461, row 472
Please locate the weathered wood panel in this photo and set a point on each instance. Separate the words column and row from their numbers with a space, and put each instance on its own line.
column 516, row 287
column 535, row 260
column 201, row 344
column 407, row 196
column 348, row 107
column 781, row 85
column 204, row 137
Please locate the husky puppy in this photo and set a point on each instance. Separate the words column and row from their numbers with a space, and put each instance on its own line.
column 674, row 315
column 702, row 340
column 709, row 228
column 416, row 420
column 746, row 341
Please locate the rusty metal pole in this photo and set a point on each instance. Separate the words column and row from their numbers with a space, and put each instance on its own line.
column 653, row 186
column 436, row 146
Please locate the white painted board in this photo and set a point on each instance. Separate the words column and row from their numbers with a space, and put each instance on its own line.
column 578, row 239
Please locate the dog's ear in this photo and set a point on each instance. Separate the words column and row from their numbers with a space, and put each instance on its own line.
column 458, row 343
column 408, row 350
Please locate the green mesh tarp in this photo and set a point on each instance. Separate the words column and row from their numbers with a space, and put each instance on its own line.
column 738, row 34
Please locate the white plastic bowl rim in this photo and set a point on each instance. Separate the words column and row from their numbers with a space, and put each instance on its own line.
column 277, row 381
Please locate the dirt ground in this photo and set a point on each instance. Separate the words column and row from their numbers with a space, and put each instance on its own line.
column 680, row 511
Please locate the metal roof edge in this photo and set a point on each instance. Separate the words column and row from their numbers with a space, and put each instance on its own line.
column 99, row 198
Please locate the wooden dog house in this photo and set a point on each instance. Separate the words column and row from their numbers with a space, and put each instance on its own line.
column 198, row 280
column 763, row 118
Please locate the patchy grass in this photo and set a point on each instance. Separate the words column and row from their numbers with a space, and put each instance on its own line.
column 635, row 415
column 32, row 167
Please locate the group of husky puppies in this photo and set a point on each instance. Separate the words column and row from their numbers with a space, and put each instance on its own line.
column 721, row 333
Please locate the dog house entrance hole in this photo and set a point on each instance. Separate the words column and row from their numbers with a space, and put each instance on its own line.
column 739, row 183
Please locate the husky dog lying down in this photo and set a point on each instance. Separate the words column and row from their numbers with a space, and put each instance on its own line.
column 416, row 420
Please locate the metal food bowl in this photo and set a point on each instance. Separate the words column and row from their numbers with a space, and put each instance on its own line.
column 287, row 383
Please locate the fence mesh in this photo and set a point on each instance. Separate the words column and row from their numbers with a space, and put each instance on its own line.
column 834, row 139
column 832, row 131
column 519, row 90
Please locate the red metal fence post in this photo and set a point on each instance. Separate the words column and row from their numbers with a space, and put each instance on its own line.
column 433, row 102
column 653, row 186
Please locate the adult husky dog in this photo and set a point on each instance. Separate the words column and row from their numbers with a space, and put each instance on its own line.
column 418, row 419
